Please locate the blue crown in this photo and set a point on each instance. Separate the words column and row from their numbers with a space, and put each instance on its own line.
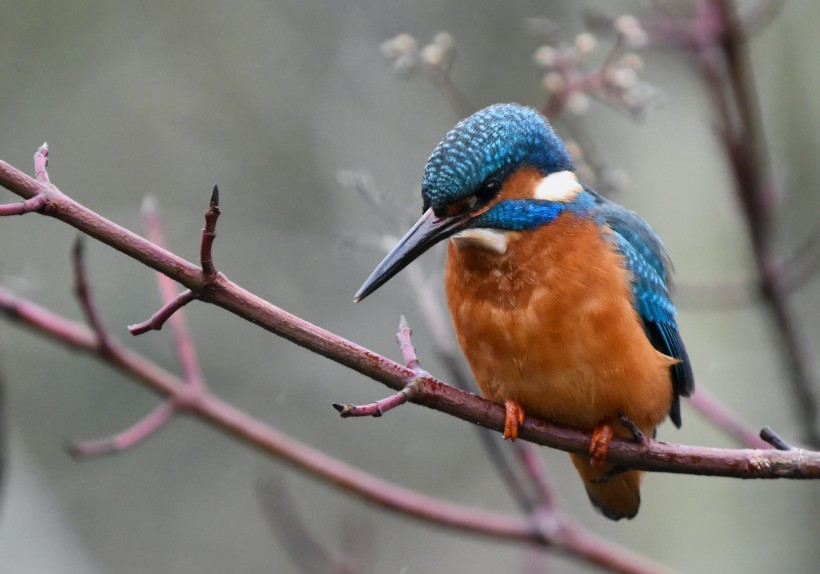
column 490, row 143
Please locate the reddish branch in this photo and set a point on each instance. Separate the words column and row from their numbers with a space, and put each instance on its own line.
column 745, row 148
column 716, row 40
column 157, row 321
column 432, row 392
column 186, row 351
column 563, row 537
column 209, row 234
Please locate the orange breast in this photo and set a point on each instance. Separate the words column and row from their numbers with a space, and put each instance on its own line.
column 550, row 323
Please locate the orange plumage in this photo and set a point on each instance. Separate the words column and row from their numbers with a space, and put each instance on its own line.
column 550, row 324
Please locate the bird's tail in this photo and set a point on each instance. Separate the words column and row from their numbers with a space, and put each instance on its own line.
column 616, row 493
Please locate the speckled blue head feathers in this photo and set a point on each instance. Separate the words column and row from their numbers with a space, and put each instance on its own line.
column 491, row 143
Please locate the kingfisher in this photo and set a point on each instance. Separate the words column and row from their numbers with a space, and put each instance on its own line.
column 560, row 298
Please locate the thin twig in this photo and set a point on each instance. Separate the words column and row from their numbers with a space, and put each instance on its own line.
column 408, row 351
column 209, row 234
column 41, row 164
column 303, row 547
column 771, row 437
column 156, row 321
column 378, row 408
column 83, row 293
column 126, row 439
column 35, row 203
column 442, row 79
column 186, row 350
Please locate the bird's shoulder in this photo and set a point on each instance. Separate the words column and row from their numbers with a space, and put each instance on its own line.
column 650, row 268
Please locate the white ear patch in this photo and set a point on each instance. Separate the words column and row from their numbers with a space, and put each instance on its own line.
column 491, row 239
column 558, row 186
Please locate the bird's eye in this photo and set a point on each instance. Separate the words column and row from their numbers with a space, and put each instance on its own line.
column 488, row 190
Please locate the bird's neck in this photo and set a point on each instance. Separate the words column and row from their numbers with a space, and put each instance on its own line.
column 552, row 254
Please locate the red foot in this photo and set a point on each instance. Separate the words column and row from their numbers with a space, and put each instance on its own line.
column 599, row 445
column 515, row 417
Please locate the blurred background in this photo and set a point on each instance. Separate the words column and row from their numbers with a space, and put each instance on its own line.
column 270, row 100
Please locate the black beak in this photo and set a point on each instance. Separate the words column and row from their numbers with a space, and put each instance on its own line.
column 427, row 231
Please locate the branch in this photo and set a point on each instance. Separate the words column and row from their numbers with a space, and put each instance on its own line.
column 661, row 457
column 745, row 149
column 568, row 539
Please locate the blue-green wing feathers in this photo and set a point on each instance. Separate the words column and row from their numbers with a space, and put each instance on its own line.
column 651, row 271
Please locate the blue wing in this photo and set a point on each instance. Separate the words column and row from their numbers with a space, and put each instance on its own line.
column 651, row 271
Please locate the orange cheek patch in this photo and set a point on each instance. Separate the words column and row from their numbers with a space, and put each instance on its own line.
column 520, row 184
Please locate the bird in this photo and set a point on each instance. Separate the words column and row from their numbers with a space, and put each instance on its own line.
column 559, row 297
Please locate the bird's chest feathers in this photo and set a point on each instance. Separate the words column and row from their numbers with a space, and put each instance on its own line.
column 552, row 307
column 507, row 270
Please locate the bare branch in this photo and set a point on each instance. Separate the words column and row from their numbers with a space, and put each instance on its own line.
column 158, row 319
column 209, row 234
column 173, row 302
column 83, row 293
column 41, row 164
column 126, row 439
column 566, row 538
column 35, row 203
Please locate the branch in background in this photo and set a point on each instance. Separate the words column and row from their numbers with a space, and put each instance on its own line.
column 304, row 549
column 183, row 340
column 568, row 539
column 435, row 60
column 716, row 41
column 186, row 351
column 707, row 405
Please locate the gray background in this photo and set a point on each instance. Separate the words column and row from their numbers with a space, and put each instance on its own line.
column 270, row 100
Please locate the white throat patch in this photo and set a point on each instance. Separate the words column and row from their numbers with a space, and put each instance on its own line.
column 558, row 186
column 492, row 239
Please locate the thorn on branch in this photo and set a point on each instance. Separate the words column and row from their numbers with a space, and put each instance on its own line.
column 771, row 437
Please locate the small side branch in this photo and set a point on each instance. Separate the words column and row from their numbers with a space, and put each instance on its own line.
column 83, row 293
column 158, row 319
column 408, row 351
column 378, row 408
column 138, row 433
column 174, row 304
column 36, row 203
column 41, row 164
column 167, row 287
column 209, row 234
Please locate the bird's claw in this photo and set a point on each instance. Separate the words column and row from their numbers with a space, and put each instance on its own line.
column 638, row 435
column 599, row 445
column 513, row 418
